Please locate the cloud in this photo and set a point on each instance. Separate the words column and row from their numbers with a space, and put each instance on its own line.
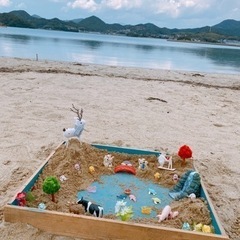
column 90, row 5
column 175, row 8
column 5, row 3
column 94, row 5
column 120, row 4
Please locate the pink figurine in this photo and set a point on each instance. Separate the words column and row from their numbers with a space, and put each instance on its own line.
column 167, row 214
column 132, row 197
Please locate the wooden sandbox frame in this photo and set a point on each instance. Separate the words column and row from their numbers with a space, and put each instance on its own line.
column 88, row 227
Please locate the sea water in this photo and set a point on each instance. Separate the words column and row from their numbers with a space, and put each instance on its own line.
column 115, row 50
column 110, row 187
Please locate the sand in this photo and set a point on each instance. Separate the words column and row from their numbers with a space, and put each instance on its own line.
column 139, row 108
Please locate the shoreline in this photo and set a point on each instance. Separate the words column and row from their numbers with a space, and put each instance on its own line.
column 130, row 107
column 210, row 43
column 198, row 78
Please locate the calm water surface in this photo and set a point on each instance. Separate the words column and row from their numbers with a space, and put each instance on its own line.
column 118, row 50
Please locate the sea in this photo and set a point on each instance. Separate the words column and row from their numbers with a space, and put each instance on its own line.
column 115, row 50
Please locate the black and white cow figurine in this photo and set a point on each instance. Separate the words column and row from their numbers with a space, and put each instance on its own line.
column 91, row 208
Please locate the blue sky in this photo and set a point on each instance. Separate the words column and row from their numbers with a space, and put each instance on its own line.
column 163, row 13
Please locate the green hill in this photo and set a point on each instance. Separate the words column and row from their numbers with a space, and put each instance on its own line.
column 228, row 29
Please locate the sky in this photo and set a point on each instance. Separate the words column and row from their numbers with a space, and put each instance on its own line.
column 162, row 13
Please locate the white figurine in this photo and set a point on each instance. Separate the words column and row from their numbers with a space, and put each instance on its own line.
column 78, row 127
column 143, row 164
column 107, row 160
column 165, row 158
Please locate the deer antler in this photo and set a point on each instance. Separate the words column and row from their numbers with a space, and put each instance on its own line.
column 77, row 111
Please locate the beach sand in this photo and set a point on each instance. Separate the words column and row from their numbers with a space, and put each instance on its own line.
column 139, row 108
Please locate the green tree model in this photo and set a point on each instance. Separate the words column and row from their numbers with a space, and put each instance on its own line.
column 50, row 186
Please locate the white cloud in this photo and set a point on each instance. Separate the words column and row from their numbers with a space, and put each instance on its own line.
column 90, row 5
column 175, row 8
column 119, row 4
column 5, row 3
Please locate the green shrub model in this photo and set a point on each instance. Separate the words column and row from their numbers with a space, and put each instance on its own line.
column 50, row 186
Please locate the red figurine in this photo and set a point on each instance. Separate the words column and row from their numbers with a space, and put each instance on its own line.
column 21, row 198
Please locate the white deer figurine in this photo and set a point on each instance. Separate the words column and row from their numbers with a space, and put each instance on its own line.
column 78, row 127
column 165, row 158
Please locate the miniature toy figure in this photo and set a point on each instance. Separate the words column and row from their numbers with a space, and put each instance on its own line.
column 157, row 176
column 21, row 199
column 63, row 178
column 192, row 196
column 152, row 191
column 175, row 177
column 132, row 197
column 107, row 160
column 91, row 169
column 162, row 159
column 91, row 189
column 78, row 127
column 143, row 164
column 146, row 210
column 156, row 200
column 91, row 208
column 167, row 214
column 127, row 191
column 77, row 166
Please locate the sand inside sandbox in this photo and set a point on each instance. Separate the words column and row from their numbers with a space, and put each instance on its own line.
column 64, row 160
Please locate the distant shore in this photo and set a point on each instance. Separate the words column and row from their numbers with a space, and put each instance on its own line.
column 210, row 43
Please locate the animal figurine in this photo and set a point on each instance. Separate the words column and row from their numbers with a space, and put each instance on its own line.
column 107, row 160
column 91, row 169
column 132, row 197
column 157, row 175
column 167, row 214
column 91, row 208
column 143, row 164
column 63, row 178
column 156, row 200
column 175, row 177
column 78, row 127
column 165, row 158
column 77, row 166
column 122, row 196
column 192, row 196
column 152, row 191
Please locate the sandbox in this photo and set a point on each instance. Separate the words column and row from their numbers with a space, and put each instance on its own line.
column 56, row 218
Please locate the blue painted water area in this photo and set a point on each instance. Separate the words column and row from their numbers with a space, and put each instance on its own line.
column 111, row 186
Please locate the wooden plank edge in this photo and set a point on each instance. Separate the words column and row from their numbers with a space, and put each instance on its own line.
column 97, row 228
column 222, row 230
column 213, row 209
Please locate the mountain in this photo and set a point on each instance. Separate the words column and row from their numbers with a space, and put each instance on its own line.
column 78, row 20
column 24, row 20
column 226, row 30
column 228, row 27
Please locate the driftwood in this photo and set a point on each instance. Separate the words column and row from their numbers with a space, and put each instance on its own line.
column 156, row 99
